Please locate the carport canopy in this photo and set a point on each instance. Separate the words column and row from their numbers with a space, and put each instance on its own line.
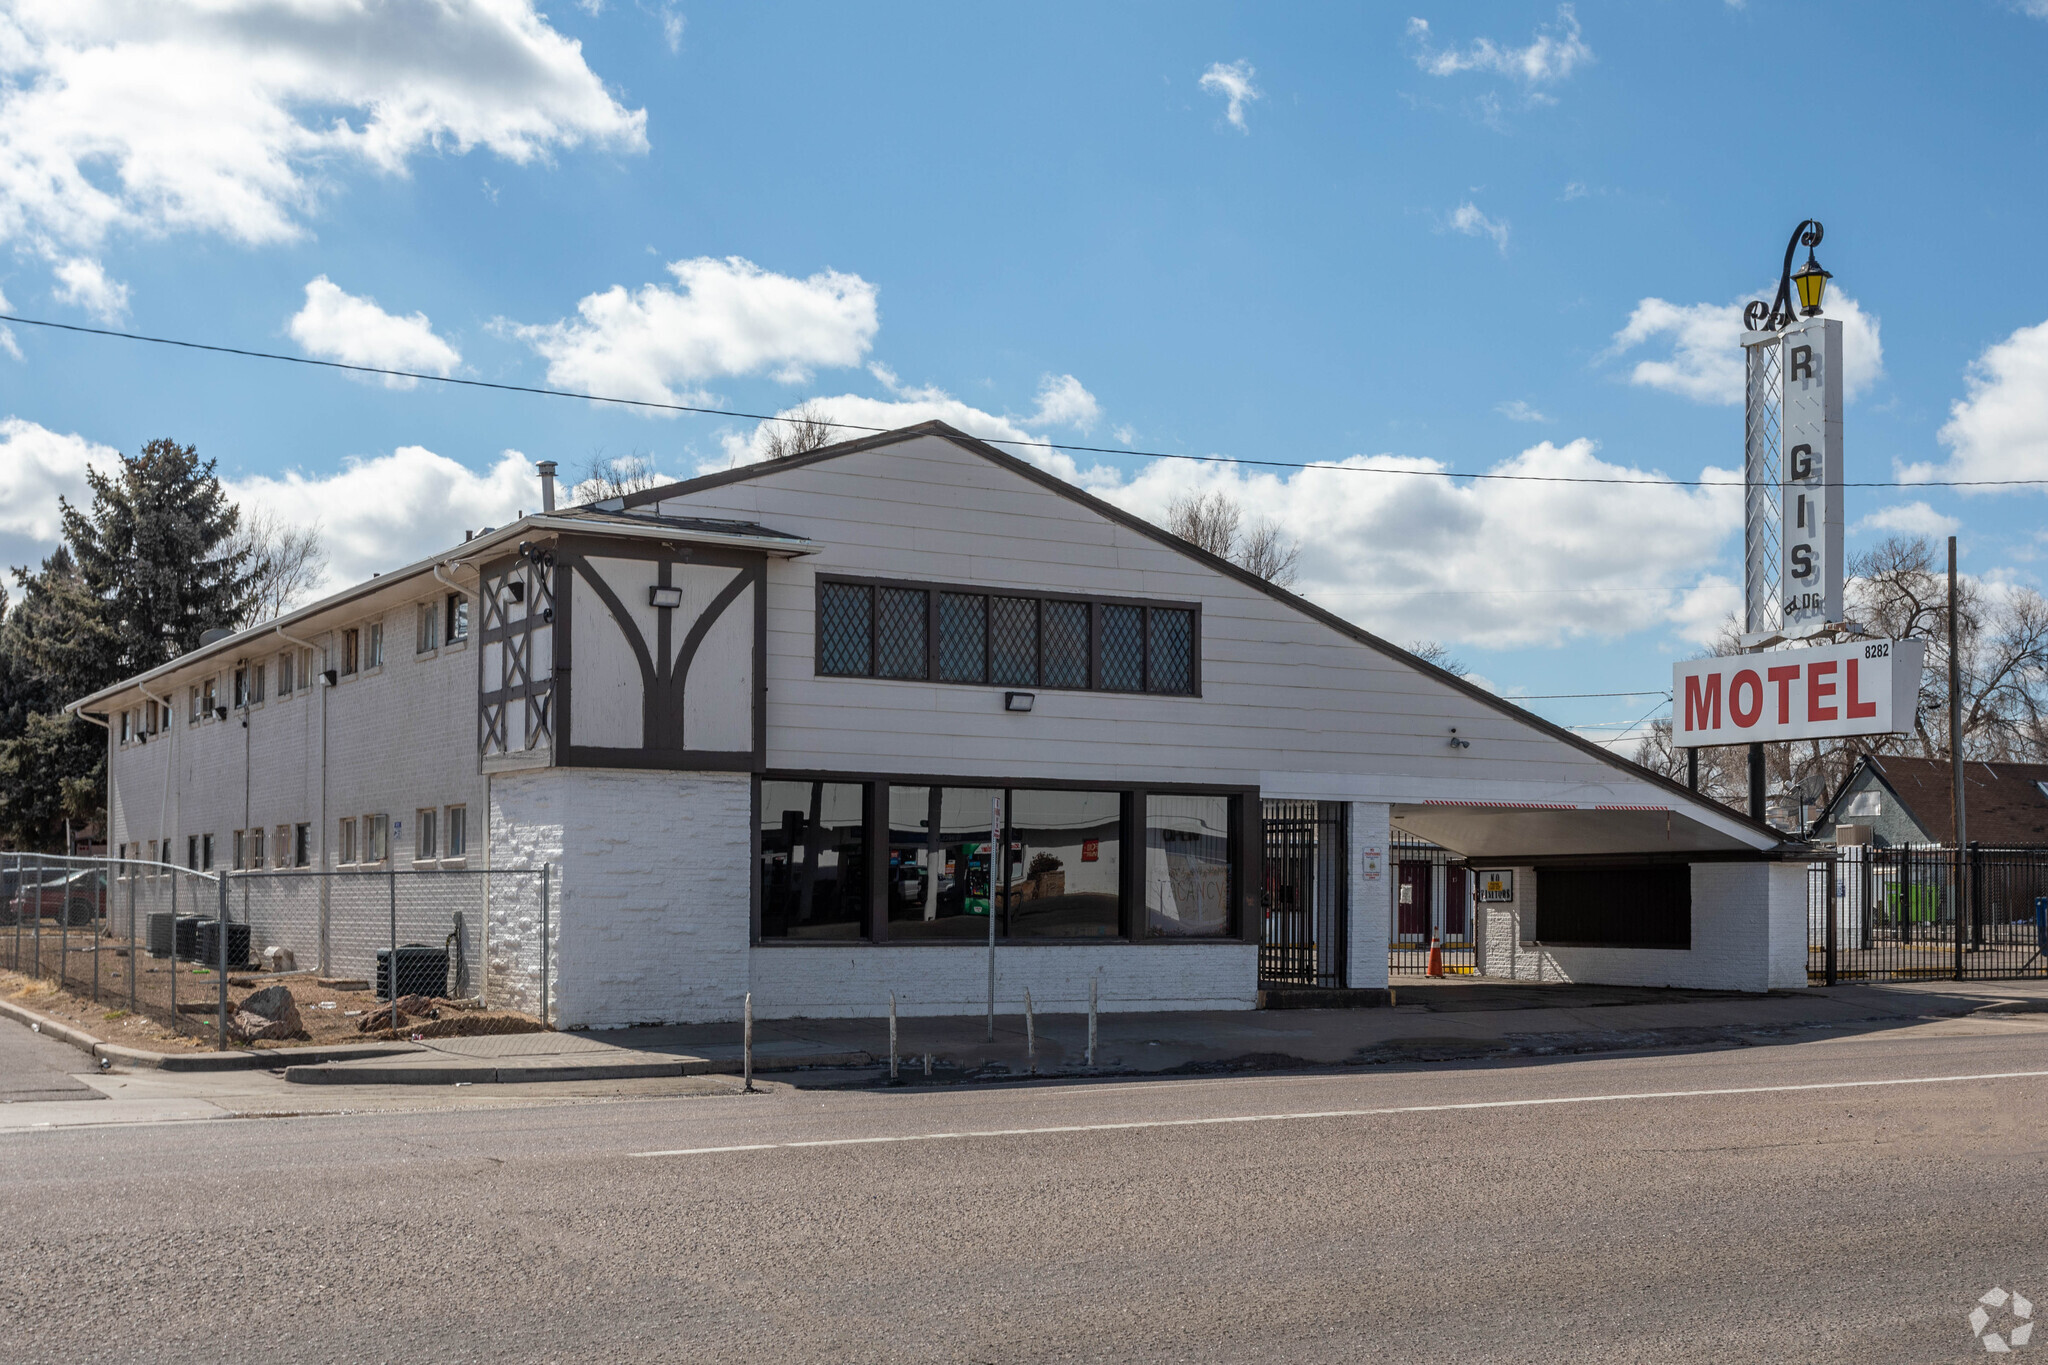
column 1510, row 832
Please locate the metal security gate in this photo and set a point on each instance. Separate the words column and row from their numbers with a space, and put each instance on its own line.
column 1304, row 895
column 1432, row 901
column 1906, row 913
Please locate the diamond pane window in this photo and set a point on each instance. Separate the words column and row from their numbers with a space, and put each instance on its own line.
column 1013, row 641
column 963, row 634
column 1172, row 660
column 899, row 633
column 1066, row 644
column 1123, row 649
column 843, row 615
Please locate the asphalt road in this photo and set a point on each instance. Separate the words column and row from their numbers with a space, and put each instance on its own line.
column 1773, row 1203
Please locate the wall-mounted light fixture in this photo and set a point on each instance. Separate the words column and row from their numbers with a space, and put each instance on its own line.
column 1457, row 743
column 330, row 677
column 664, row 597
column 220, row 713
column 1019, row 701
column 515, row 591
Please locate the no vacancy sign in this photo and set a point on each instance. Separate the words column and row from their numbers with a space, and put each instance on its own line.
column 1870, row 687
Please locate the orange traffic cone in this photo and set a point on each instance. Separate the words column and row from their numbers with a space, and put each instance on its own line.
column 1436, row 958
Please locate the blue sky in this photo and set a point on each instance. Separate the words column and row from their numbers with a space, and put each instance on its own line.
column 1472, row 237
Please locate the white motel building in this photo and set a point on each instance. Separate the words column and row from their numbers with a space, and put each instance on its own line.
column 755, row 724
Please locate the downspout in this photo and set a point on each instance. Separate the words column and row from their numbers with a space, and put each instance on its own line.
column 163, row 805
column 320, row 807
column 482, row 833
column 104, row 725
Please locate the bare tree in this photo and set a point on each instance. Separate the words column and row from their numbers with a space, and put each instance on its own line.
column 1213, row 521
column 1208, row 521
column 1431, row 652
column 286, row 561
column 797, row 432
column 615, row 476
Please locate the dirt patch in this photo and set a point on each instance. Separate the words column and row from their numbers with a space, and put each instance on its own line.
column 328, row 1016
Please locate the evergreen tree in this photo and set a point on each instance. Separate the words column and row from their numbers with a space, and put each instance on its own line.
column 157, row 552
column 136, row 583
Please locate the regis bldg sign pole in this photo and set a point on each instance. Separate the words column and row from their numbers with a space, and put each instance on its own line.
column 1807, row 672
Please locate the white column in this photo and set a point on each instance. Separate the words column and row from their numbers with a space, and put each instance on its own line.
column 1371, row 897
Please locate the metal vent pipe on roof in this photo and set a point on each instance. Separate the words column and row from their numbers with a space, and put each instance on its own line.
column 547, row 485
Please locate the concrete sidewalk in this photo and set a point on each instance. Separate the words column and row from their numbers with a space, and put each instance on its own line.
column 1432, row 1021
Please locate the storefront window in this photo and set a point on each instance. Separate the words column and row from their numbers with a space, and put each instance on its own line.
column 1187, row 866
column 813, row 863
column 938, row 862
column 1064, row 864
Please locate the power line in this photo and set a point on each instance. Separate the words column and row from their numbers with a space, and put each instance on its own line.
column 1561, row 696
column 653, row 405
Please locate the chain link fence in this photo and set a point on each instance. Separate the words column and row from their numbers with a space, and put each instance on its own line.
column 184, row 948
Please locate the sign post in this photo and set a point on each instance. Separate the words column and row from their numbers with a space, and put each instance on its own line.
column 1843, row 682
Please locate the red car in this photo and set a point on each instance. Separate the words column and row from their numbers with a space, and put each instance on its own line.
column 59, row 895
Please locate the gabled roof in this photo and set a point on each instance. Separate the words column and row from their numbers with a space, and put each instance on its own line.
column 2004, row 804
column 1025, row 469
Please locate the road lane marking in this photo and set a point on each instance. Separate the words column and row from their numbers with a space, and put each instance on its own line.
column 1462, row 1106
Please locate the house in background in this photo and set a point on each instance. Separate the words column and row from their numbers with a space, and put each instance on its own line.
column 1905, row 801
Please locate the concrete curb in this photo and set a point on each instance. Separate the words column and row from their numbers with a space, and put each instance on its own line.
column 457, row 1071
column 254, row 1059
column 52, row 1028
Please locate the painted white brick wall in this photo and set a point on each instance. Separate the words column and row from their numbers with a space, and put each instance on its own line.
column 1748, row 934
column 649, row 916
column 854, row 981
column 1371, row 895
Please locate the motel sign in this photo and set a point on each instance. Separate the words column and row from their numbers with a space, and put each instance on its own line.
column 1861, row 688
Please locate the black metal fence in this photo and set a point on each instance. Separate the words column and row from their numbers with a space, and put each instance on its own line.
column 1432, row 903
column 1906, row 913
column 1304, row 896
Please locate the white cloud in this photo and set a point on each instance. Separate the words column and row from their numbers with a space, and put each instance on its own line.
column 1519, row 411
column 232, row 116
column 7, row 341
column 338, row 325
column 1467, row 219
column 672, row 23
column 377, row 514
column 83, row 282
column 1234, row 83
column 1063, row 402
column 1913, row 519
column 1549, row 57
column 1125, row 433
column 1706, row 360
column 728, row 318
column 38, row 466
column 1999, row 428
column 1487, row 563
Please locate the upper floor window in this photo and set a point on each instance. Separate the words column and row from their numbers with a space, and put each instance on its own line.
column 351, row 650
column 193, row 713
column 963, row 635
column 427, row 630
column 287, row 673
column 373, row 645
column 457, row 618
column 209, row 695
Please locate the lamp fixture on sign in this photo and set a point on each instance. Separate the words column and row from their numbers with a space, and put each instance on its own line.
column 1812, row 282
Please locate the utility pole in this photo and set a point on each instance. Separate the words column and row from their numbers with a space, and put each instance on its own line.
column 1955, row 761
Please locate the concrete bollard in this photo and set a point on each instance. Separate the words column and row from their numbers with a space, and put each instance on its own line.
column 1093, row 982
column 1030, row 1037
column 747, row 1047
